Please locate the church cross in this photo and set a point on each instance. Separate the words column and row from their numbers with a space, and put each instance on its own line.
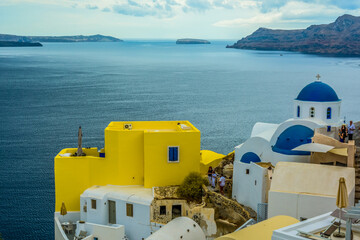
column 318, row 77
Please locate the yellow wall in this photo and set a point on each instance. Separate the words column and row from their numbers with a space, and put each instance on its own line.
column 209, row 159
column 262, row 230
column 132, row 157
column 158, row 171
column 72, row 177
column 124, row 152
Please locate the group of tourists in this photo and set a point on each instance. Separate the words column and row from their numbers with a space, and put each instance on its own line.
column 346, row 131
column 213, row 179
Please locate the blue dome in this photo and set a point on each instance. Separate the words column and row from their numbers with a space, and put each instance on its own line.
column 318, row 92
column 250, row 157
column 291, row 138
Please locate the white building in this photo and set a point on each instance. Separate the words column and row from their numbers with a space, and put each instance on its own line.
column 119, row 205
column 303, row 190
column 317, row 105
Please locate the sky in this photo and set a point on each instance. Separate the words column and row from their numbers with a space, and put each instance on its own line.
column 166, row 19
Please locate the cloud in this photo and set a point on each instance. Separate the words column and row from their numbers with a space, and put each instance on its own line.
column 92, row 7
column 200, row 5
column 269, row 5
column 134, row 10
column 346, row 4
column 162, row 8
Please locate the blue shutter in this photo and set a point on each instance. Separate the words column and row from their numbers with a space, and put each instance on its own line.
column 176, row 154
column 171, row 154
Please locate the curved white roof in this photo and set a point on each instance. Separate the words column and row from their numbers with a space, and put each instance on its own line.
column 134, row 194
column 180, row 228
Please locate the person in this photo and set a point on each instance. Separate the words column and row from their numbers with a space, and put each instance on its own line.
column 351, row 129
column 222, row 183
column 213, row 179
column 342, row 133
column 210, row 174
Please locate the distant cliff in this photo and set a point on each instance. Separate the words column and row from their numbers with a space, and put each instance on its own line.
column 77, row 38
column 341, row 37
column 192, row 41
column 19, row 44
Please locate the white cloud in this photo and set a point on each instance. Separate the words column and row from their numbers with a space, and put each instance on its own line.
column 159, row 8
column 292, row 12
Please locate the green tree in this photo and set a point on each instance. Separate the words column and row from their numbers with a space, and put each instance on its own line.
column 191, row 187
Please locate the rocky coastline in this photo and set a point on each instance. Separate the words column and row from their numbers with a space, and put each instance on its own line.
column 77, row 38
column 340, row 38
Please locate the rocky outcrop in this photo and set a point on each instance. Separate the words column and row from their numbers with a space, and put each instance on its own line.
column 341, row 37
column 229, row 214
column 192, row 41
column 77, row 38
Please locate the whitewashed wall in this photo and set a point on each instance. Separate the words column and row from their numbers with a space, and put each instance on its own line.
column 320, row 111
column 138, row 226
column 249, row 189
column 301, row 205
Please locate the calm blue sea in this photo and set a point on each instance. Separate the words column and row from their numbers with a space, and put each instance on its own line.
column 46, row 93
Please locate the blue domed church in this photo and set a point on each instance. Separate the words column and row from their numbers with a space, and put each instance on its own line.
column 316, row 106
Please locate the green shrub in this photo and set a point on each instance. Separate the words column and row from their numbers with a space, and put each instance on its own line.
column 191, row 187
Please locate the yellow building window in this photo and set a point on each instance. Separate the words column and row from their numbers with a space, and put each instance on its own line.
column 173, row 154
column 129, row 210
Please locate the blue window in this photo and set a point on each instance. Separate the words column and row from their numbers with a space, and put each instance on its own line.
column 298, row 111
column 328, row 113
column 173, row 154
column 329, row 128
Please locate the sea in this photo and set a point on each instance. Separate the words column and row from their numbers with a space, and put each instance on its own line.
column 47, row 93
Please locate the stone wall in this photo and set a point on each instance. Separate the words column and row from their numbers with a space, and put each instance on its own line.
column 216, row 214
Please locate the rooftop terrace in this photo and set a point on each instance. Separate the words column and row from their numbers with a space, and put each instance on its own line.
column 153, row 126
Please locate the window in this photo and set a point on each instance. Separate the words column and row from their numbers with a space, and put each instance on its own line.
column 93, row 203
column 328, row 113
column 95, row 238
column 312, row 112
column 173, row 154
column 176, row 211
column 162, row 210
column 329, row 128
column 298, row 111
column 247, row 171
column 129, row 210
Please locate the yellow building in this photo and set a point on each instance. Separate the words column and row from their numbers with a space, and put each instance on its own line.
column 261, row 231
column 136, row 153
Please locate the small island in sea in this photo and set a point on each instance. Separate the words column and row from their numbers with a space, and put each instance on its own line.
column 340, row 38
column 19, row 44
column 192, row 41
column 7, row 40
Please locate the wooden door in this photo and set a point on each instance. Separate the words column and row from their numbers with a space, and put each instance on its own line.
column 112, row 212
